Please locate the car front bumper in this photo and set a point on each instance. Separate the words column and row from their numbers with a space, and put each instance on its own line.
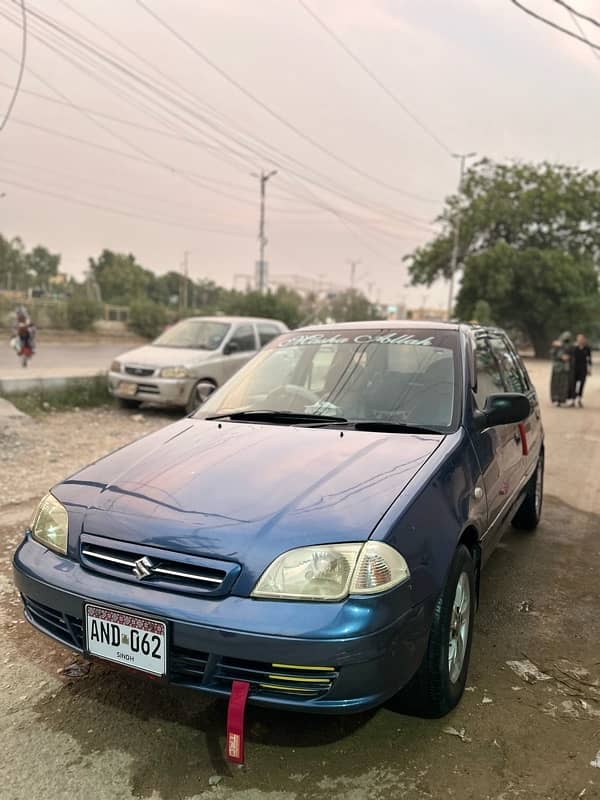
column 163, row 391
column 208, row 653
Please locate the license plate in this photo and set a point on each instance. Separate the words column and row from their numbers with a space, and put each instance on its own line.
column 136, row 642
column 128, row 388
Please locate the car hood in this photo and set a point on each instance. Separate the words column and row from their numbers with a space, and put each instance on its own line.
column 242, row 491
column 153, row 356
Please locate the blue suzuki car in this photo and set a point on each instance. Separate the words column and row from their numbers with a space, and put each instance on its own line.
column 317, row 529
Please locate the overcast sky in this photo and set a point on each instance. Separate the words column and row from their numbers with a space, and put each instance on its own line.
column 479, row 74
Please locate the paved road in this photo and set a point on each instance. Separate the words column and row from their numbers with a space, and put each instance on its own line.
column 113, row 736
column 53, row 360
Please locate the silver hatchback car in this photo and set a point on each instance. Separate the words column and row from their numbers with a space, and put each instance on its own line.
column 189, row 360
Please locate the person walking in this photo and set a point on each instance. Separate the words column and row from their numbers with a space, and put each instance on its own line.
column 24, row 331
column 562, row 366
column 582, row 367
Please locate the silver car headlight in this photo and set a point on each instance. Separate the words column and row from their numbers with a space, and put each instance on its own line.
column 115, row 366
column 332, row 571
column 175, row 372
column 50, row 524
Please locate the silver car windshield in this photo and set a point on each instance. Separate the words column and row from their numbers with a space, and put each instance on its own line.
column 197, row 334
column 398, row 376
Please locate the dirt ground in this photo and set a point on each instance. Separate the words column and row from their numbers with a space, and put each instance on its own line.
column 110, row 734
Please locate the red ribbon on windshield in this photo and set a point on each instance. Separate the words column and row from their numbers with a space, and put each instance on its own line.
column 235, row 721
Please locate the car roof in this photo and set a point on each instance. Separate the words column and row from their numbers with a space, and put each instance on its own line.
column 233, row 320
column 392, row 325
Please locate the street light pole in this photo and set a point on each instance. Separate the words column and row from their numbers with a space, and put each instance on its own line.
column 261, row 276
column 454, row 257
column 183, row 294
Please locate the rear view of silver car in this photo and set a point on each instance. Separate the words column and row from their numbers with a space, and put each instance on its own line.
column 189, row 360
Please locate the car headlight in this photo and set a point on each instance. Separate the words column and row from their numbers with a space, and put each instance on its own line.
column 175, row 372
column 115, row 366
column 333, row 571
column 50, row 524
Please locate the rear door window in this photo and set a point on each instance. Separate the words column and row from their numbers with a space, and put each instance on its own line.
column 513, row 377
column 244, row 337
column 489, row 377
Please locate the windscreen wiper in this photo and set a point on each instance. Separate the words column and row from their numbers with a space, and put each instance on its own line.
column 381, row 426
column 280, row 417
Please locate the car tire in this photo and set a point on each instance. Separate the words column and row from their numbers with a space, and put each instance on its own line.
column 200, row 394
column 439, row 683
column 124, row 402
column 529, row 514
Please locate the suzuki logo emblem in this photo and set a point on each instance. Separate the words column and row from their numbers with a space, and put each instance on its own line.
column 143, row 568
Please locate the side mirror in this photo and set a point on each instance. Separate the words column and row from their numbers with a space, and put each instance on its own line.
column 231, row 347
column 503, row 409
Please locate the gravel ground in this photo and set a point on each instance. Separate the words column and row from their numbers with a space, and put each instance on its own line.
column 110, row 734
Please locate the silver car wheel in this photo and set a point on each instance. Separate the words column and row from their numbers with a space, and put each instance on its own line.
column 202, row 392
column 460, row 621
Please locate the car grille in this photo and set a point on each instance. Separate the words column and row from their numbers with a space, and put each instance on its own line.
column 195, row 669
column 141, row 372
column 277, row 678
column 63, row 627
column 148, row 388
column 160, row 569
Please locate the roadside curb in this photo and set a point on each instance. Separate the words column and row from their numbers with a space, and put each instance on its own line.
column 13, row 386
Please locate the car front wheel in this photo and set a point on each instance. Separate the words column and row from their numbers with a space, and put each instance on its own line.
column 529, row 514
column 440, row 680
column 200, row 394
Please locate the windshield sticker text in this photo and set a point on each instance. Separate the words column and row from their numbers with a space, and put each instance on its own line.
column 363, row 338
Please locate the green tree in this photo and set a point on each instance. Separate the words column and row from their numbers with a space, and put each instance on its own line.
column 482, row 313
column 42, row 265
column 13, row 268
column 283, row 304
column 120, row 278
column 351, row 306
column 540, row 292
column 147, row 318
column 529, row 242
column 82, row 312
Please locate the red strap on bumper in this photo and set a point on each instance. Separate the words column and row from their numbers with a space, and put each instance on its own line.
column 235, row 721
column 524, row 443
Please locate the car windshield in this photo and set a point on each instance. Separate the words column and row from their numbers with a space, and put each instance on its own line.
column 197, row 334
column 402, row 376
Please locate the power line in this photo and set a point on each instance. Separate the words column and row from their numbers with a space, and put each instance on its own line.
column 122, row 154
column 357, row 60
column 582, row 32
column 575, row 12
column 73, row 177
column 282, row 120
column 90, row 48
column 123, row 212
column 303, row 178
column 15, row 93
column 555, row 26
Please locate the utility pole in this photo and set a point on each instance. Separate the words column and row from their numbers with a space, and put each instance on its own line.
column 454, row 258
column 183, row 294
column 261, row 267
column 353, row 265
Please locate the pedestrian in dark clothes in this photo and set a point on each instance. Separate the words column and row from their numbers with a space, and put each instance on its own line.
column 562, row 369
column 582, row 367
